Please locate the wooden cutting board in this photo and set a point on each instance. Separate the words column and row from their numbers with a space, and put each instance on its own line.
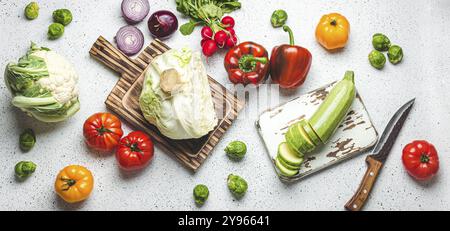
column 124, row 101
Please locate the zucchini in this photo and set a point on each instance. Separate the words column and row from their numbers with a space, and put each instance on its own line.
column 283, row 170
column 305, row 135
column 299, row 139
column 292, row 138
column 334, row 108
column 289, row 155
column 288, row 166
column 311, row 133
column 305, row 141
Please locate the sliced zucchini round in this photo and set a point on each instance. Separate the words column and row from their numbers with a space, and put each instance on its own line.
column 311, row 133
column 289, row 156
column 292, row 136
column 306, row 145
column 285, row 171
column 288, row 166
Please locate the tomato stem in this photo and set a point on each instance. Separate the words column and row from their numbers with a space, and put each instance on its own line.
column 135, row 148
column 424, row 158
column 102, row 130
column 333, row 22
column 68, row 182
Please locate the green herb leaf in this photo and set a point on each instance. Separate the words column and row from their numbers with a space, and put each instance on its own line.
column 205, row 10
column 229, row 7
column 188, row 28
column 211, row 11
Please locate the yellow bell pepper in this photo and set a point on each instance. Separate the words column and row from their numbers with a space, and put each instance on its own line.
column 74, row 183
column 333, row 31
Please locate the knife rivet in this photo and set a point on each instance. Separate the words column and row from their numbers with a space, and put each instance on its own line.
column 371, row 173
column 365, row 191
column 355, row 206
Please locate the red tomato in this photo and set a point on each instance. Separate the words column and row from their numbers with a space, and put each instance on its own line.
column 102, row 131
column 135, row 151
column 420, row 159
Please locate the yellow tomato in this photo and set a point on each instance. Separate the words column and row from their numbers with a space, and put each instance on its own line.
column 74, row 183
column 333, row 31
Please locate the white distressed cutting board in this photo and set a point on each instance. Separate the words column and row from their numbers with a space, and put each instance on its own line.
column 354, row 135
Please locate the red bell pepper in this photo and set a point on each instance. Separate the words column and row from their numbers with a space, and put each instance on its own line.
column 289, row 64
column 247, row 63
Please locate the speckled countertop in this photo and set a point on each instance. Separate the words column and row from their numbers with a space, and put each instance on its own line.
column 420, row 27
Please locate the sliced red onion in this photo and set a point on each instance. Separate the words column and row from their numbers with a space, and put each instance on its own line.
column 130, row 40
column 135, row 11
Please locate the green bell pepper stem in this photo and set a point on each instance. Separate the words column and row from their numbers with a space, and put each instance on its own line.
column 291, row 35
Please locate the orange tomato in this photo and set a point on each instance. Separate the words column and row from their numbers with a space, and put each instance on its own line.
column 333, row 31
column 74, row 183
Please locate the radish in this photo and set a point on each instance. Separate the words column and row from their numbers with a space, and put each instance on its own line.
column 209, row 48
column 207, row 32
column 203, row 41
column 221, row 37
column 228, row 22
column 231, row 41
column 231, row 31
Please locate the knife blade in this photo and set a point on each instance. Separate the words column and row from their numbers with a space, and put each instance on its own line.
column 379, row 156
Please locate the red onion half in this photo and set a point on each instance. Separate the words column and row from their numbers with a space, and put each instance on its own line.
column 130, row 40
column 135, row 11
column 162, row 24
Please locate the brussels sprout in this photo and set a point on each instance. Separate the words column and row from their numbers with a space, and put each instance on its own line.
column 236, row 150
column 381, row 42
column 201, row 194
column 24, row 169
column 377, row 59
column 55, row 31
column 27, row 140
column 279, row 18
column 395, row 54
column 237, row 185
column 62, row 16
column 32, row 10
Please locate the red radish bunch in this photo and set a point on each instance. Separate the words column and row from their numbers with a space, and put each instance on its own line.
column 218, row 35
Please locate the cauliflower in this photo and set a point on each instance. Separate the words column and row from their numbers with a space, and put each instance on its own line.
column 62, row 80
column 44, row 85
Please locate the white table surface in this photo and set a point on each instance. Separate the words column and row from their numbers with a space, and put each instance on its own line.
column 420, row 27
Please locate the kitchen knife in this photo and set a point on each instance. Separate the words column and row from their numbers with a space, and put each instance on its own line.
column 378, row 157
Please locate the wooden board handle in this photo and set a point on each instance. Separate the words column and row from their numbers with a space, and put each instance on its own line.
column 106, row 53
column 359, row 199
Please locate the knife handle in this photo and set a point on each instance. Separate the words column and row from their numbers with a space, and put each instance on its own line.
column 359, row 199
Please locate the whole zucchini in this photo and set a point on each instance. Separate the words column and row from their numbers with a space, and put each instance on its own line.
column 334, row 108
column 304, row 136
